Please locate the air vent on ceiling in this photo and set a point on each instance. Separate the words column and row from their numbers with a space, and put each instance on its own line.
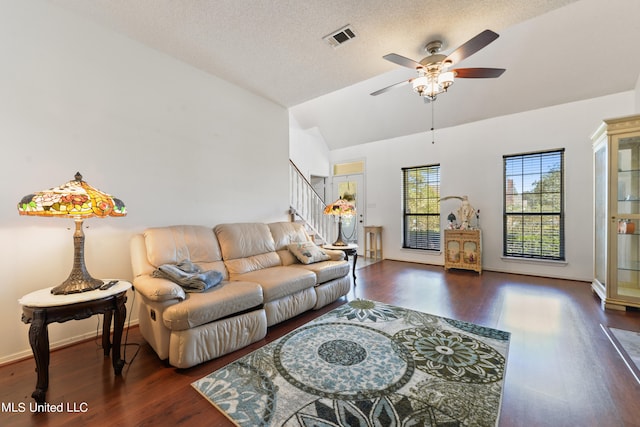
column 340, row 36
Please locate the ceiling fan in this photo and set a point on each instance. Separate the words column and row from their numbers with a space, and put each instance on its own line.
column 434, row 76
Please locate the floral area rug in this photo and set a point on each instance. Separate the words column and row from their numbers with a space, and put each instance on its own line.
column 367, row 364
column 627, row 343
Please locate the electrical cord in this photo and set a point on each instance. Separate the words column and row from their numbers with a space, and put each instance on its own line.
column 126, row 336
column 126, row 343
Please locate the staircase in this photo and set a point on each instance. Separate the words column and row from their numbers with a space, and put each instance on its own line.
column 305, row 205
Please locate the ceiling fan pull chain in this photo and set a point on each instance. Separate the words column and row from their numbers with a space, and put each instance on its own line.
column 433, row 126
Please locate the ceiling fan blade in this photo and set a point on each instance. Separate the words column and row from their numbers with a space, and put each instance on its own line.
column 401, row 60
column 478, row 73
column 472, row 46
column 383, row 90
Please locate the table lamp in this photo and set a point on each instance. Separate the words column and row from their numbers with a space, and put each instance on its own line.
column 340, row 208
column 78, row 200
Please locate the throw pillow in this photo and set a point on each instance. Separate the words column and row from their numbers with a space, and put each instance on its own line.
column 308, row 252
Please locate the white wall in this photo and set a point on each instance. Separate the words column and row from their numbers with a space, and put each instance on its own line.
column 308, row 150
column 471, row 164
column 637, row 92
column 176, row 145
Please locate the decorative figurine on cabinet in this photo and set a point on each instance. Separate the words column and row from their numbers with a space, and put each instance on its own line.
column 465, row 212
column 452, row 221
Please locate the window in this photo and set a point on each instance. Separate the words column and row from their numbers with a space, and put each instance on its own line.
column 421, row 187
column 533, row 217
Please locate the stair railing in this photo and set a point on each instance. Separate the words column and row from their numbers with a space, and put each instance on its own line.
column 306, row 205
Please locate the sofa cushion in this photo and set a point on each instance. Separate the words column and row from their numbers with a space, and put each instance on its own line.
column 287, row 258
column 327, row 270
column 285, row 233
column 308, row 252
column 171, row 245
column 224, row 300
column 242, row 240
column 278, row 282
column 253, row 263
column 246, row 247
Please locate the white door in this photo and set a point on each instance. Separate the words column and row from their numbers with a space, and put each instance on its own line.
column 351, row 188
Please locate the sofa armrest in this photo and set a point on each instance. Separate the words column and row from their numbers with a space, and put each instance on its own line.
column 335, row 254
column 158, row 289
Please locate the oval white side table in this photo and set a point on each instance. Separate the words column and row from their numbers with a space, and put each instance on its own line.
column 41, row 307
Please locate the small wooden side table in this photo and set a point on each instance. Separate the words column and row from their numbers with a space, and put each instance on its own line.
column 350, row 249
column 373, row 242
column 41, row 307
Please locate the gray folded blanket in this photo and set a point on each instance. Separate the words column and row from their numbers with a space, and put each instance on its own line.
column 188, row 275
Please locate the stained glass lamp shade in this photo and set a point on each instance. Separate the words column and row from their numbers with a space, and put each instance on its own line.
column 78, row 200
column 340, row 208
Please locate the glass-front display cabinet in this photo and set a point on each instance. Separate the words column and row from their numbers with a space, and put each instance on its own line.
column 616, row 171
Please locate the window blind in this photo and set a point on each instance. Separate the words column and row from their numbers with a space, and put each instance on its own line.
column 421, row 200
column 533, row 215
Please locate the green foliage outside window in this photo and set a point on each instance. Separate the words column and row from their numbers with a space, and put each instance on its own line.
column 421, row 190
column 533, row 205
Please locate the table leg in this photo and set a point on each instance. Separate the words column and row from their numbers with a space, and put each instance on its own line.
column 106, row 332
column 355, row 260
column 39, row 340
column 120, row 313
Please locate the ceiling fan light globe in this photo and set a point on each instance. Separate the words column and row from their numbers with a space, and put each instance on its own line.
column 420, row 84
column 432, row 89
column 446, row 79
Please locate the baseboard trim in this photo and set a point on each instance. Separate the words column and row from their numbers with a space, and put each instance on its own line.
column 66, row 342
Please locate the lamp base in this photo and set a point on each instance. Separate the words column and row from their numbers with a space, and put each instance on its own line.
column 74, row 285
column 339, row 242
column 79, row 279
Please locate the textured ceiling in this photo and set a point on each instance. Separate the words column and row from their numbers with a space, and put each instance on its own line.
column 555, row 51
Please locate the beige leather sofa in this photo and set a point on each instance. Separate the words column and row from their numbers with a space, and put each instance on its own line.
column 263, row 284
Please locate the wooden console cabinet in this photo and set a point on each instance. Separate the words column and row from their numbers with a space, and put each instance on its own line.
column 463, row 250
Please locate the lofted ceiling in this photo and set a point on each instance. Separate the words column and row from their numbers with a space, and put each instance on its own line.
column 555, row 51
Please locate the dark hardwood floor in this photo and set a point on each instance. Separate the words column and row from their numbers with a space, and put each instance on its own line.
column 561, row 371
